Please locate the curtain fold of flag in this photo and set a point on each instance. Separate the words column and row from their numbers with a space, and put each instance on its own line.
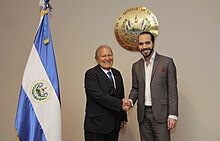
column 38, row 115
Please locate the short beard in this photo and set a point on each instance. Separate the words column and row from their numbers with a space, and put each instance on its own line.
column 149, row 52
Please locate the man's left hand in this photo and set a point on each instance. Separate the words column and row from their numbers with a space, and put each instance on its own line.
column 171, row 123
column 123, row 127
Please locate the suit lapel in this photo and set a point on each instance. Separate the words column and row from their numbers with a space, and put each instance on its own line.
column 142, row 69
column 115, row 75
column 156, row 63
column 103, row 75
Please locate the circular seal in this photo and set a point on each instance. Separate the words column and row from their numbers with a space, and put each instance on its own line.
column 40, row 91
column 131, row 23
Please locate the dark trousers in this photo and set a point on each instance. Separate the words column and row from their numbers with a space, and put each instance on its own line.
column 90, row 136
column 151, row 130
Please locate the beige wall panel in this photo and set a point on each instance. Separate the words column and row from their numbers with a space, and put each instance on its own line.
column 189, row 32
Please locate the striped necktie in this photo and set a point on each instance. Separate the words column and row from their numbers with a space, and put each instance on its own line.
column 110, row 77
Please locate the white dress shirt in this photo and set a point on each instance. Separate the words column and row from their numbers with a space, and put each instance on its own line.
column 106, row 71
column 148, row 72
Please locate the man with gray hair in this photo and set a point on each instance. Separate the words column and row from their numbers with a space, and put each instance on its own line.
column 104, row 89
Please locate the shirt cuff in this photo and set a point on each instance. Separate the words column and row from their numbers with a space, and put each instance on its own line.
column 173, row 117
column 131, row 102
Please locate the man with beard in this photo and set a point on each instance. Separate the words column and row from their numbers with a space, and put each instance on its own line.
column 154, row 87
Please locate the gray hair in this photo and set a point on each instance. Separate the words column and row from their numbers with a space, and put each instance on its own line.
column 100, row 47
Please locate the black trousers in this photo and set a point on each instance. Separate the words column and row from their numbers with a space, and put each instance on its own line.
column 151, row 130
column 90, row 136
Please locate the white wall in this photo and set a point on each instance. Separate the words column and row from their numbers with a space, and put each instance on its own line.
column 189, row 32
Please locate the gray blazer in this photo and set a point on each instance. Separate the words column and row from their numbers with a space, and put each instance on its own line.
column 164, row 94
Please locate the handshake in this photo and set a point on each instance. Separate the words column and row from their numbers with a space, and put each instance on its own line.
column 126, row 104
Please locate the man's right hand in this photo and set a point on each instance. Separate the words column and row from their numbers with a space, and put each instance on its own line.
column 126, row 104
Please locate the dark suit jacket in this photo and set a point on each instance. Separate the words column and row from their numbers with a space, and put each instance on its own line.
column 164, row 94
column 104, row 102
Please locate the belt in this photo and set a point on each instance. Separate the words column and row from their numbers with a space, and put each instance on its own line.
column 148, row 107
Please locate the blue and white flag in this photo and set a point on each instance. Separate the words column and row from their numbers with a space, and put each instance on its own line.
column 39, row 108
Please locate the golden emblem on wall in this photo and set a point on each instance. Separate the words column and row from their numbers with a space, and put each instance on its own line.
column 131, row 23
